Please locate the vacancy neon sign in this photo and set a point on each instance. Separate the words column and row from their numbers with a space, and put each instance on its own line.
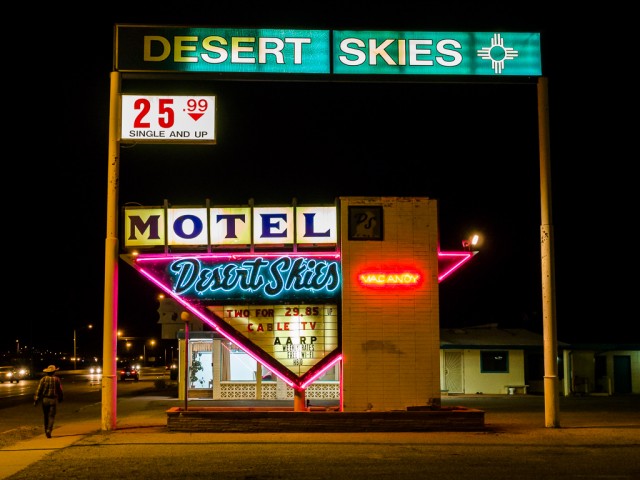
column 390, row 279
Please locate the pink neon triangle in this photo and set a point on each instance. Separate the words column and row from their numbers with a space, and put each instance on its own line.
column 200, row 310
column 449, row 262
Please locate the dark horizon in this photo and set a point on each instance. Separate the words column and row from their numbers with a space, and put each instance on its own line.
column 472, row 146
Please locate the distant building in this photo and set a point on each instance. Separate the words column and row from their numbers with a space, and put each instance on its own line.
column 491, row 360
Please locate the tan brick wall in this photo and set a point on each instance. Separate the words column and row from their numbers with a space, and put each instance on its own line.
column 391, row 337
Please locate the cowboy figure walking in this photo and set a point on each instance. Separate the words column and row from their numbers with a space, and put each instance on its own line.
column 49, row 391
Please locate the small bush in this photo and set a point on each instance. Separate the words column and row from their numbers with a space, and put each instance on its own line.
column 160, row 384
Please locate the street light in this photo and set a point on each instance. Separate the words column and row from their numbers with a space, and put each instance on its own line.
column 126, row 344
column 144, row 350
column 152, row 343
column 75, row 350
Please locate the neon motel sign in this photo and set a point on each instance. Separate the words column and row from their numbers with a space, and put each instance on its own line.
column 230, row 226
column 281, row 308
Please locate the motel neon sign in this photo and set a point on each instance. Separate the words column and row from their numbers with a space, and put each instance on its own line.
column 253, row 285
column 230, row 226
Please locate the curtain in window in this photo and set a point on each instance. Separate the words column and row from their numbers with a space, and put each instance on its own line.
column 225, row 362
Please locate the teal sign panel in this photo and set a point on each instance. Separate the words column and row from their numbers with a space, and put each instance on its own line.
column 341, row 52
column 436, row 53
column 223, row 50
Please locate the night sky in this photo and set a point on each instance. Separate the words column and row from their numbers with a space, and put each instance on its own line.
column 471, row 146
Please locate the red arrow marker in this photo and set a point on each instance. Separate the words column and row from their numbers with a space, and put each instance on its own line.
column 195, row 116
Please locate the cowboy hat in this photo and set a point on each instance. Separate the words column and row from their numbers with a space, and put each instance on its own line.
column 50, row 368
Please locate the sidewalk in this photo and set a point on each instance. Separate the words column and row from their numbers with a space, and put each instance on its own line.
column 515, row 419
column 18, row 456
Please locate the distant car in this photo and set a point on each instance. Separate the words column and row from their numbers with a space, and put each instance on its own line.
column 23, row 372
column 173, row 371
column 129, row 372
column 9, row 374
column 95, row 369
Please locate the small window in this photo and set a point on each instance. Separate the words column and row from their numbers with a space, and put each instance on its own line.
column 494, row 362
column 365, row 223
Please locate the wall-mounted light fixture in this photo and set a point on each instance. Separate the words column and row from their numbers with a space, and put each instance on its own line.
column 470, row 242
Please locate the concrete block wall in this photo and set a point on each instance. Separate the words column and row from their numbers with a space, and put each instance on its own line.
column 391, row 336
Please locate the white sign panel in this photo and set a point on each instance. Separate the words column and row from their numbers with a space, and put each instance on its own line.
column 273, row 225
column 168, row 118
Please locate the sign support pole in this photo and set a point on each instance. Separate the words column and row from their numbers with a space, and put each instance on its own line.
column 186, row 317
column 299, row 402
column 110, row 326
column 550, row 342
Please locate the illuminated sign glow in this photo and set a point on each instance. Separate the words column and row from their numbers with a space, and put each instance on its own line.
column 167, row 118
column 390, row 279
column 247, row 277
column 230, row 226
column 195, row 49
column 338, row 52
column 436, row 53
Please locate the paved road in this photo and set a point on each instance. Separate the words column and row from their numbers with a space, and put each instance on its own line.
column 599, row 438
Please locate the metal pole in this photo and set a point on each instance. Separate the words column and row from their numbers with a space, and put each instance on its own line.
column 185, row 317
column 550, row 342
column 75, row 354
column 110, row 330
column 299, row 403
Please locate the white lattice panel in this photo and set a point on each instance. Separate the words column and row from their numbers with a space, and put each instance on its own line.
column 247, row 391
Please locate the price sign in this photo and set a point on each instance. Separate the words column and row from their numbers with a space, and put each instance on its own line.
column 168, row 118
column 296, row 336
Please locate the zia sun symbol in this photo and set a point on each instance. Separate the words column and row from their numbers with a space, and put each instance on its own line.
column 497, row 53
